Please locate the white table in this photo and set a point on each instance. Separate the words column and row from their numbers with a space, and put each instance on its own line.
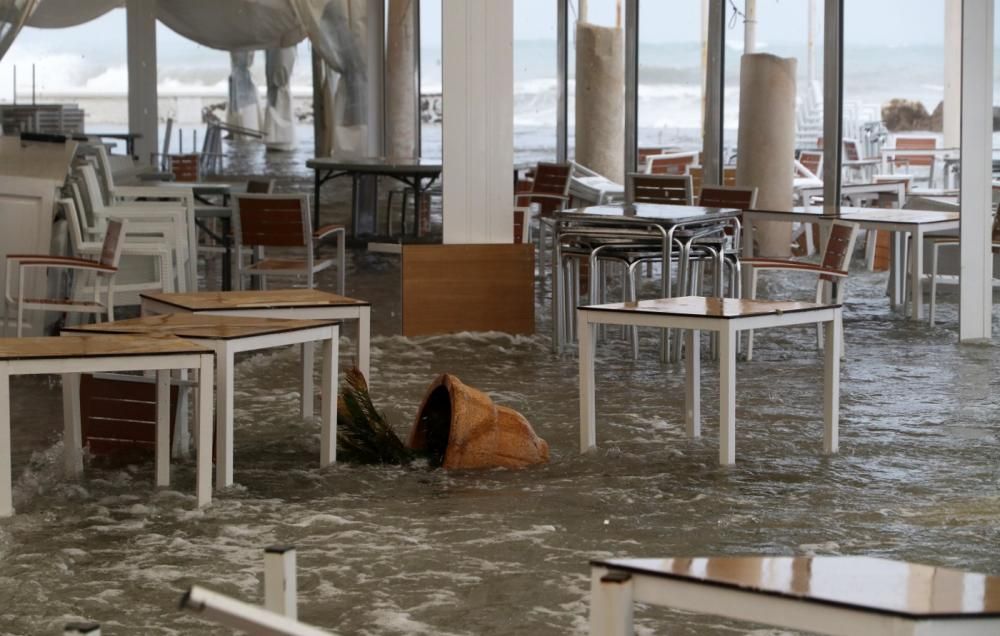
column 73, row 355
column 915, row 223
column 227, row 336
column 726, row 316
column 293, row 304
column 846, row 595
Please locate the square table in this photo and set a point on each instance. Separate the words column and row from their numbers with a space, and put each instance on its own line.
column 73, row 355
column 726, row 316
column 227, row 336
column 293, row 304
column 848, row 595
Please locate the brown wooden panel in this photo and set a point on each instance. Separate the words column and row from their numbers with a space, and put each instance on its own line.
column 452, row 288
column 120, row 415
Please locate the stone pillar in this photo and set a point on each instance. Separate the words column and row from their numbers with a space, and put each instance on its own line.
column 401, row 98
column 143, row 116
column 600, row 99
column 767, row 142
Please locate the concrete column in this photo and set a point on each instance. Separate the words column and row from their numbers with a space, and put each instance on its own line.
column 478, row 95
column 401, row 92
column 142, row 110
column 952, row 73
column 976, row 293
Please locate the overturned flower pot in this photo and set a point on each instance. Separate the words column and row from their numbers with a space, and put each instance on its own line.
column 458, row 427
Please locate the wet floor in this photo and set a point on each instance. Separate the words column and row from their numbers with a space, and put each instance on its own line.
column 389, row 550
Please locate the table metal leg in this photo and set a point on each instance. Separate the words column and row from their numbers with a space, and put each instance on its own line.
column 328, row 435
column 588, row 426
column 831, row 385
column 6, row 474
column 692, row 385
column 308, row 364
column 72, row 431
column 163, row 428
column 611, row 603
column 204, row 479
column 727, row 395
column 225, row 362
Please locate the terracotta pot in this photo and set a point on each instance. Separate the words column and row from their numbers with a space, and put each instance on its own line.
column 461, row 427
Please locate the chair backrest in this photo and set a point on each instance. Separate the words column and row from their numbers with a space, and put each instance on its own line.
column 551, row 178
column 72, row 215
column 644, row 153
column 812, row 161
column 728, row 197
column 272, row 220
column 675, row 163
column 839, row 246
column 260, row 186
column 852, row 151
column 114, row 241
column 916, row 143
column 697, row 175
column 186, row 168
column 520, row 236
column 661, row 188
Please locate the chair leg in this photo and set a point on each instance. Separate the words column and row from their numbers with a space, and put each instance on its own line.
column 632, row 275
column 341, row 262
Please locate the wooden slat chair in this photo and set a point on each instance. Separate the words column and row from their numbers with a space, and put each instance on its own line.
column 937, row 242
column 103, row 269
column 697, row 177
column 676, row 163
column 546, row 194
column 901, row 159
column 118, row 415
column 660, row 188
column 262, row 221
column 186, row 168
column 831, row 272
column 812, row 161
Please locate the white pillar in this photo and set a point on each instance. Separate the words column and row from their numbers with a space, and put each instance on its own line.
column 811, row 45
column 142, row 109
column 478, row 87
column 952, row 73
column 976, row 295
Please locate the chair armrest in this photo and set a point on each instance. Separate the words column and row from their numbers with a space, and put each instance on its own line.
column 326, row 231
column 791, row 266
column 68, row 262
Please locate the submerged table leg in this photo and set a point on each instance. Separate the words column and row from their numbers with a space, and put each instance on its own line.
column 831, row 385
column 163, row 428
column 611, row 603
column 204, row 479
column 365, row 343
column 916, row 274
column 727, row 395
column 6, row 476
column 72, row 432
column 692, row 385
column 328, row 436
column 588, row 425
column 224, row 418
column 308, row 362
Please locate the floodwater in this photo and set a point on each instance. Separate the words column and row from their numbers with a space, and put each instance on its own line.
column 390, row 550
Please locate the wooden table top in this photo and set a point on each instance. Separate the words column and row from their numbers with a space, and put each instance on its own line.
column 201, row 326
column 702, row 307
column 875, row 585
column 250, row 300
column 95, row 346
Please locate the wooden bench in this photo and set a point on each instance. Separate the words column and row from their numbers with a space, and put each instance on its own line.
column 847, row 595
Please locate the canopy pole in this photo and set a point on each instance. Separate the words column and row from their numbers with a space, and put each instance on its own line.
column 714, row 80
column 833, row 103
column 143, row 116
